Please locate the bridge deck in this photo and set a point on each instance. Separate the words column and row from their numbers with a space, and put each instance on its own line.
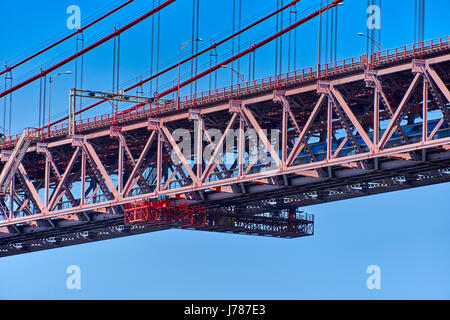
column 256, row 87
column 338, row 142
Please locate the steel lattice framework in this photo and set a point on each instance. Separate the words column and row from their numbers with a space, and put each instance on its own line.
column 355, row 127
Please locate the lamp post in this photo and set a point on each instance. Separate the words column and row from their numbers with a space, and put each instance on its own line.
column 50, row 91
column 241, row 76
column 378, row 45
column 180, row 47
column 3, row 134
column 371, row 39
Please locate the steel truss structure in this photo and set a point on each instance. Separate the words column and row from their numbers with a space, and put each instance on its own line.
column 379, row 127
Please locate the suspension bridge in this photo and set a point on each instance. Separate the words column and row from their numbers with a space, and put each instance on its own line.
column 364, row 125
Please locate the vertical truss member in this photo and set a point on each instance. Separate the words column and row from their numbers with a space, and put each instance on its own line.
column 212, row 47
column 87, row 49
column 79, row 31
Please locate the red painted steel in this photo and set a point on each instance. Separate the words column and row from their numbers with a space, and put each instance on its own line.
column 185, row 60
column 164, row 211
column 87, row 49
column 66, row 37
column 258, row 198
column 306, row 74
column 361, row 165
column 237, row 90
column 245, row 52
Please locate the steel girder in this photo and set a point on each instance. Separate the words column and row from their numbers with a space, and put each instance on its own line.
column 363, row 153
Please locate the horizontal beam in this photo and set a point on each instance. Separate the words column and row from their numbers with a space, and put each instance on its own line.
column 229, row 181
column 78, row 31
column 87, row 49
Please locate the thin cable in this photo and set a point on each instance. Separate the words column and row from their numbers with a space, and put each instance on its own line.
column 239, row 37
column 281, row 40
column 330, row 35
column 196, row 42
column 327, row 31
column 234, row 21
column 118, row 64
column 379, row 31
column 44, row 102
column 91, row 39
column 81, row 70
column 114, row 71
column 277, row 40
column 289, row 43
column 295, row 39
column 415, row 20
column 320, row 43
column 250, row 67
column 4, row 104
column 10, row 102
column 249, row 50
column 222, row 41
column 40, row 101
column 215, row 72
column 91, row 47
column 151, row 55
column 254, row 64
column 76, row 65
column 158, row 31
column 335, row 33
column 192, row 42
column 64, row 39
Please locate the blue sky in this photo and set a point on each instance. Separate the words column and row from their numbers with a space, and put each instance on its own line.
column 405, row 232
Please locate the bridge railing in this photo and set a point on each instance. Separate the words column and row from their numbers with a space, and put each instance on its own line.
column 416, row 50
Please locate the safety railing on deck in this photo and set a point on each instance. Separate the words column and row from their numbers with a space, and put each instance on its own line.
column 416, row 50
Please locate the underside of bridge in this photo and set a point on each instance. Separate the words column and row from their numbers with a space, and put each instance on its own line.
column 258, row 153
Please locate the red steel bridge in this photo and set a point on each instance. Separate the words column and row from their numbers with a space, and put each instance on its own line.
column 350, row 128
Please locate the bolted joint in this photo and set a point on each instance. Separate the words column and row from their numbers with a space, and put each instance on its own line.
column 5, row 154
column 279, row 95
column 194, row 114
column 41, row 147
column 370, row 78
column 235, row 106
column 323, row 86
column 418, row 66
column 77, row 141
column 115, row 131
column 154, row 124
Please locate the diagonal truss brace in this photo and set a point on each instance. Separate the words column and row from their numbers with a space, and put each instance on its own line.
column 167, row 136
column 396, row 118
column 217, row 149
column 62, row 181
column 302, row 141
column 432, row 76
column 371, row 76
column 348, row 112
column 42, row 148
column 123, row 146
column 29, row 185
column 137, row 167
column 261, row 135
column 202, row 131
column 280, row 96
column 100, row 171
